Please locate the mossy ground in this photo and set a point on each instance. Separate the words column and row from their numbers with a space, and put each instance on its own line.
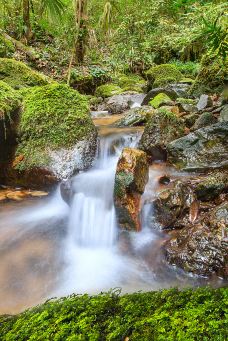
column 163, row 74
column 19, row 75
column 187, row 315
column 54, row 116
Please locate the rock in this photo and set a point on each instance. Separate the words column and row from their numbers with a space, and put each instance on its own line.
column 66, row 191
column 135, row 117
column 212, row 186
column 162, row 128
column 163, row 74
column 171, row 203
column 132, row 175
column 19, row 75
column 186, row 105
column 204, row 120
column 131, row 82
column 204, row 149
column 108, row 90
column 154, row 92
column 119, row 103
column 224, row 114
column 54, row 123
column 160, row 100
column 202, row 249
column 190, row 119
column 205, row 101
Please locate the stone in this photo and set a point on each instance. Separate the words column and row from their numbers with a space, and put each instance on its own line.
column 204, row 120
column 132, row 175
column 205, row 101
column 162, row 128
column 154, row 92
column 212, row 186
column 204, row 149
column 66, row 191
column 202, row 249
column 190, row 119
column 224, row 114
column 171, row 203
column 160, row 100
column 119, row 103
column 135, row 117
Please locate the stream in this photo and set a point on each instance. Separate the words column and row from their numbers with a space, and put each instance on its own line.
column 50, row 250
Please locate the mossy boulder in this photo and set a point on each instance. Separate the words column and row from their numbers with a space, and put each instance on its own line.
column 132, row 175
column 19, row 75
column 135, row 117
column 131, row 82
column 204, row 120
column 55, row 127
column 163, row 74
column 6, row 47
column 204, row 149
column 212, row 186
column 10, row 100
column 162, row 128
column 212, row 75
column 160, row 100
column 108, row 90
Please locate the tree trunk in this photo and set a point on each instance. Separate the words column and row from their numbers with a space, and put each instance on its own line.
column 26, row 19
column 81, row 21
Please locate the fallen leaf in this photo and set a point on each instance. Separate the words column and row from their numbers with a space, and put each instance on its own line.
column 193, row 211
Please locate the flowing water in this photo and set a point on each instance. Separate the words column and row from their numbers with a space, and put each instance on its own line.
column 48, row 249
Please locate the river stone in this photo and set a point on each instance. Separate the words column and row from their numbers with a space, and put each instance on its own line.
column 202, row 249
column 171, row 203
column 135, row 117
column 204, row 120
column 162, row 128
column 154, row 92
column 212, row 186
column 161, row 100
column 224, row 114
column 205, row 101
column 204, row 149
column 190, row 119
column 132, row 175
column 66, row 191
column 119, row 103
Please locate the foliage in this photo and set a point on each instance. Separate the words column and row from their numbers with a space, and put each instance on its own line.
column 199, row 314
column 54, row 116
column 19, row 75
column 163, row 74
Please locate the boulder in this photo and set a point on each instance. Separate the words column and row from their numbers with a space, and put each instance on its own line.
column 190, row 119
column 108, row 90
column 119, row 103
column 163, row 74
column 202, row 249
column 224, row 114
column 162, row 128
column 187, row 105
column 204, row 120
column 161, row 100
column 204, row 149
column 154, row 92
column 172, row 203
column 205, row 101
column 212, row 186
column 135, row 117
column 132, row 175
column 66, row 191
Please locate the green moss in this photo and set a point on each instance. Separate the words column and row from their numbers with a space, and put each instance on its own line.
column 212, row 75
column 186, row 101
column 122, row 182
column 54, row 116
column 188, row 69
column 163, row 74
column 212, row 186
column 198, row 314
column 10, row 100
column 108, row 90
column 187, row 80
column 160, row 99
column 18, row 75
column 130, row 82
column 6, row 47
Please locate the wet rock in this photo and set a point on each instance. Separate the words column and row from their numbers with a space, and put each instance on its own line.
column 132, row 174
column 190, row 119
column 162, row 128
column 66, row 191
column 171, row 203
column 224, row 114
column 119, row 103
column 204, row 120
column 161, row 100
column 206, row 148
column 154, row 92
column 211, row 187
column 164, row 180
column 205, row 101
column 135, row 117
column 202, row 249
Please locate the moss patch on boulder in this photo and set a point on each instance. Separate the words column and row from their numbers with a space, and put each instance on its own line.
column 6, row 47
column 54, row 116
column 159, row 100
column 108, row 90
column 19, row 75
column 10, row 100
column 163, row 74
column 131, row 82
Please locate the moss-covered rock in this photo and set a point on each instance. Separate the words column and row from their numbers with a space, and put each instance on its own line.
column 135, row 117
column 19, row 75
column 108, row 90
column 132, row 174
column 212, row 186
column 204, row 120
column 6, row 47
column 212, row 75
column 131, row 82
column 9, row 100
column 163, row 74
column 160, row 100
column 162, row 128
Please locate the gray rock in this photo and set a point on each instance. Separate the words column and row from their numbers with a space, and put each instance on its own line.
column 119, row 103
column 204, row 149
column 204, row 120
column 204, row 102
column 210, row 187
column 135, row 117
column 154, row 92
column 224, row 114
